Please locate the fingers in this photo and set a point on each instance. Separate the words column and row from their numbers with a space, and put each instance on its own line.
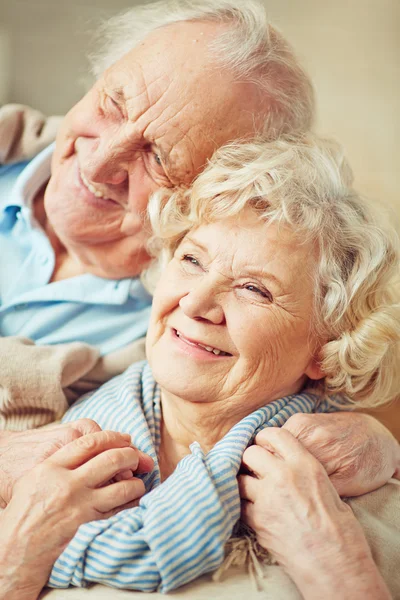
column 123, row 475
column 258, row 460
column 273, row 444
column 118, row 496
column 108, row 464
column 247, row 514
column 85, row 426
column 145, row 464
column 86, row 447
column 248, row 487
column 281, row 443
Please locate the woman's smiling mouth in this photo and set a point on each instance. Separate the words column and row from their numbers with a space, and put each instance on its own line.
column 209, row 349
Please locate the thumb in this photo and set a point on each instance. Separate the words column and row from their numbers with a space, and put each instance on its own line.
column 85, row 426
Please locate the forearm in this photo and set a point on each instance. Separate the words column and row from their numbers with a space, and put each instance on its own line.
column 25, row 561
column 348, row 579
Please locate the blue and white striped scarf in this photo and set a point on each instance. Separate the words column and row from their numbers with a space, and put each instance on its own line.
column 179, row 530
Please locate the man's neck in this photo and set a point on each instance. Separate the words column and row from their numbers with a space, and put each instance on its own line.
column 65, row 266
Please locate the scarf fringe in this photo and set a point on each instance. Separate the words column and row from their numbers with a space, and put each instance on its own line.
column 243, row 550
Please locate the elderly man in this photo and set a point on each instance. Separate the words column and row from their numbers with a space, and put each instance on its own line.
column 174, row 85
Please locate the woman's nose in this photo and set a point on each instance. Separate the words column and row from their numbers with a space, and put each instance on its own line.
column 202, row 304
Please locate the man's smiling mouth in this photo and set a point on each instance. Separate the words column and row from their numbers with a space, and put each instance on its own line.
column 93, row 190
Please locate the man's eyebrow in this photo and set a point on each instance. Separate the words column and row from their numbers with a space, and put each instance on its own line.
column 119, row 96
column 118, row 91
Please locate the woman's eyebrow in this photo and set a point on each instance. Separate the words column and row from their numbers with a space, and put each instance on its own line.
column 247, row 270
column 263, row 274
column 188, row 238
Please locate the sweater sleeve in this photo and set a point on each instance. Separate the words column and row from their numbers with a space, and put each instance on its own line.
column 24, row 132
column 34, row 380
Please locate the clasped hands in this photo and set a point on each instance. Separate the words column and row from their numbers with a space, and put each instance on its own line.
column 55, row 479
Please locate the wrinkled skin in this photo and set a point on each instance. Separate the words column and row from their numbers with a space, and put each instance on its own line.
column 76, row 484
column 21, row 451
column 151, row 121
column 357, row 451
column 298, row 516
column 233, row 286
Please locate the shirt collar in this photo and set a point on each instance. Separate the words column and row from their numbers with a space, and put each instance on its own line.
column 97, row 289
column 31, row 179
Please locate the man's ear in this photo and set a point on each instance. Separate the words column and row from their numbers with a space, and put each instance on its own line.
column 314, row 369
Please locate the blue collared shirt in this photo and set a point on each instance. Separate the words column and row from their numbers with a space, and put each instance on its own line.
column 105, row 313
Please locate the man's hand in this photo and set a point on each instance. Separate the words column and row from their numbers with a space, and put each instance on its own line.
column 357, row 451
column 21, row 451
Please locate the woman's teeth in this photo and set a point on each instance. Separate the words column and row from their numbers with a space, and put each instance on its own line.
column 91, row 187
column 208, row 348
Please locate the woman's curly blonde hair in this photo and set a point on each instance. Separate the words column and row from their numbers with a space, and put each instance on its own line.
column 306, row 183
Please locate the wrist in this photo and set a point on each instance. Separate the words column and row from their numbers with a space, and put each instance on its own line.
column 24, row 567
column 348, row 578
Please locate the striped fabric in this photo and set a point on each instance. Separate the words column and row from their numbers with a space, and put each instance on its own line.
column 179, row 530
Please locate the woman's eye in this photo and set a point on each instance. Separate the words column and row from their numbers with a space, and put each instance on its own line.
column 260, row 292
column 190, row 259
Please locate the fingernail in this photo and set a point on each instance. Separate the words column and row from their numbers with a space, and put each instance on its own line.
column 127, row 437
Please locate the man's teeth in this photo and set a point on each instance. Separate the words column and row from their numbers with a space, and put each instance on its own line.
column 208, row 348
column 91, row 187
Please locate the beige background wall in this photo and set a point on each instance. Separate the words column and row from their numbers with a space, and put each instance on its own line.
column 350, row 47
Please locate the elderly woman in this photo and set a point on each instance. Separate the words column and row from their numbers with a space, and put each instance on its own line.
column 274, row 293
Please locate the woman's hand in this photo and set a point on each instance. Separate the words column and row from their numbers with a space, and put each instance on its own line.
column 79, row 483
column 298, row 515
column 21, row 451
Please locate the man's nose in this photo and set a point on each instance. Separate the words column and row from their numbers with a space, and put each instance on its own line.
column 106, row 165
column 202, row 303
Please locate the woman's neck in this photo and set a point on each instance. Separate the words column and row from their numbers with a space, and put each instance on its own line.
column 185, row 422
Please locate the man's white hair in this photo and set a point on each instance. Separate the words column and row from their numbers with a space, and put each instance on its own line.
column 251, row 47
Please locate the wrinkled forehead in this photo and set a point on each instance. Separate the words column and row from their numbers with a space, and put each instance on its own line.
column 247, row 242
column 175, row 91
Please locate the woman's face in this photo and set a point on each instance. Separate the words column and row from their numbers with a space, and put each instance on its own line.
column 232, row 315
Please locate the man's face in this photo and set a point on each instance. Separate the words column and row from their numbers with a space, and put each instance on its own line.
column 151, row 121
